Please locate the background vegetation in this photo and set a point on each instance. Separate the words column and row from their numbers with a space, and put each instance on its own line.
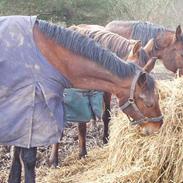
column 165, row 12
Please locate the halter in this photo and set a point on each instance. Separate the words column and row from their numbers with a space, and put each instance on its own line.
column 131, row 102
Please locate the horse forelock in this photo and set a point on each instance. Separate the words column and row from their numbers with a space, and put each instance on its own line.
column 88, row 48
column 150, row 85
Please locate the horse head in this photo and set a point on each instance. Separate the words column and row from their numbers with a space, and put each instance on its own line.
column 168, row 47
column 140, row 56
column 140, row 102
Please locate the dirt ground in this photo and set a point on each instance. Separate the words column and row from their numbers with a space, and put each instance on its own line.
column 69, row 144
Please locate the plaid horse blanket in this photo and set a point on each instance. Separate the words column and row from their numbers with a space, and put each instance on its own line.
column 31, row 90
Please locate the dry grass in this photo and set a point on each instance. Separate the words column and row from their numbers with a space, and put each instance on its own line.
column 131, row 157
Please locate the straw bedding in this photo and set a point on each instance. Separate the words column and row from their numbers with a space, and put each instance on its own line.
column 131, row 157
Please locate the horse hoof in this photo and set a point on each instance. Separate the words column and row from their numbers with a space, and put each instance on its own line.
column 54, row 167
column 53, row 164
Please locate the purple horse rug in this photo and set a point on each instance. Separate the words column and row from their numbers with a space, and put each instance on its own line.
column 31, row 90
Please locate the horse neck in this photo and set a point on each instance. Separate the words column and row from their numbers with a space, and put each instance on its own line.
column 81, row 72
column 117, row 44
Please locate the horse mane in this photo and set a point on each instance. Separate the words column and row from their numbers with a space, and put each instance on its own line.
column 88, row 48
column 82, row 45
column 117, row 44
column 144, row 31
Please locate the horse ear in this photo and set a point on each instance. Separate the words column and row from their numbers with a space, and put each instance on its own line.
column 136, row 47
column 142, row 79
column 149, row 46
column 178, row 33
column 150, row 65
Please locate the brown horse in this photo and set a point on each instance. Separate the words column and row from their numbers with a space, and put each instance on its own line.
column 86, row 65
column 122, row 47
column 167, row 46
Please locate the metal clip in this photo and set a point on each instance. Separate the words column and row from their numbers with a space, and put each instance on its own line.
column 131, row 100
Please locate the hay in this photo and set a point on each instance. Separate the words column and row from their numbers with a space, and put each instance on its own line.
column 131, row 157
column 157, row 158
column 73, row 169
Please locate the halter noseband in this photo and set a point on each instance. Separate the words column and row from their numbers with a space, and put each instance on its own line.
column 131, row 102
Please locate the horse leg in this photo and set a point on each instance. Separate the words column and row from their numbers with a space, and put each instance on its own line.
column 15, row 171
column 29, row 160
column 180, row 72
column 82, row 140
column 53, row 160
column 106, row 117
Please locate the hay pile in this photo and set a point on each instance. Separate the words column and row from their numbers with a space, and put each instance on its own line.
column 156, row 158
column 131, row 157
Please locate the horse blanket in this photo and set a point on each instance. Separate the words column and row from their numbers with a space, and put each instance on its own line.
column 82, row 105
column 31, row 90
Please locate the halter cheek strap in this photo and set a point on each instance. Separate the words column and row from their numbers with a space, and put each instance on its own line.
column 131, row 102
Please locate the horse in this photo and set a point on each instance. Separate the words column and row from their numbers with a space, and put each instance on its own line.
column 167, row 44
column 123, row 48
column 51, row 58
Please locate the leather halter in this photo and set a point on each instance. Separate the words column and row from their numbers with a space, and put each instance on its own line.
column 131, row 102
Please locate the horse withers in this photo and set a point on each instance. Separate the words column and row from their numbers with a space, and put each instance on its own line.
column 167, row 44
column 50, row 58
